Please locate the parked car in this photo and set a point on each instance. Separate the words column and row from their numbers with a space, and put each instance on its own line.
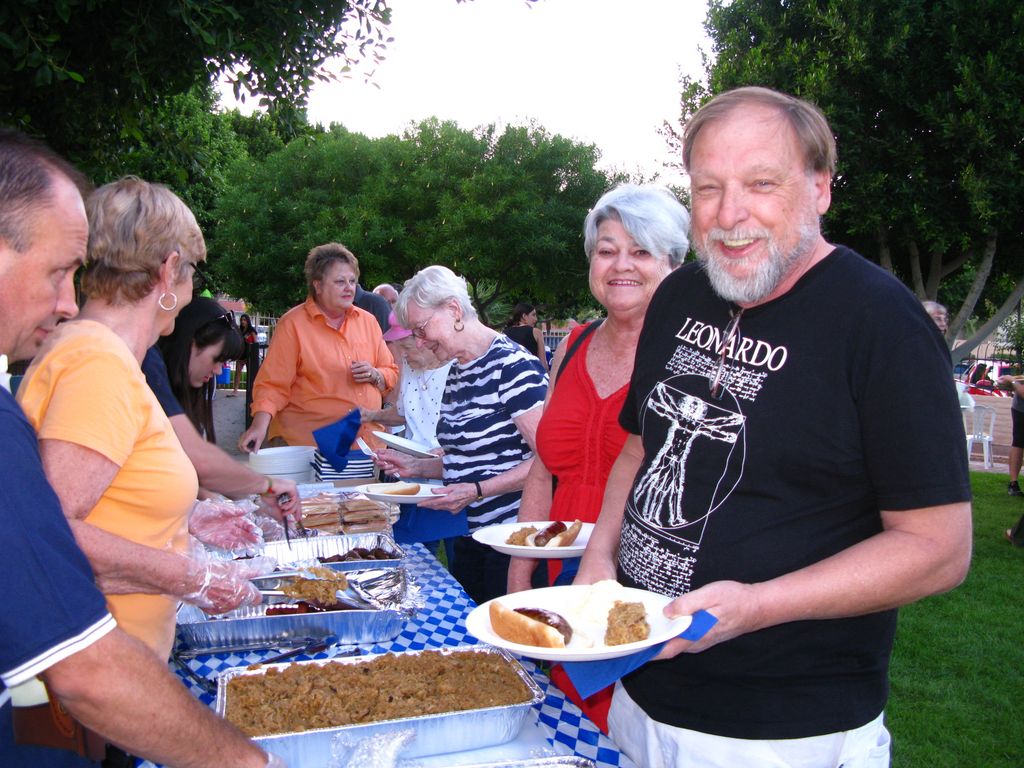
column 986, row 385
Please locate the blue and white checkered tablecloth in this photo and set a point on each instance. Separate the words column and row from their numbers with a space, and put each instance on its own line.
column 442, row 622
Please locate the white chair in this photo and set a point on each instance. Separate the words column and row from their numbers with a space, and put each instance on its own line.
column 983, row 425
column 966, row 400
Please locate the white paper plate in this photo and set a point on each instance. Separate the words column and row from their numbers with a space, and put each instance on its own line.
column 396, row 498
column 405, row 446
column 587, row 643
column 495, row 536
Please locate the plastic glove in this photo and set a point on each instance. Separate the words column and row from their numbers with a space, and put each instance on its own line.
column 219, row 586
column 226, row 525
column 381, row 750
column 271, row 529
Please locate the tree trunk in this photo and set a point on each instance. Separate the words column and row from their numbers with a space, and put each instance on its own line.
column 916, row 280
column 884, row 254
column 935, row 274
column 1008, row 306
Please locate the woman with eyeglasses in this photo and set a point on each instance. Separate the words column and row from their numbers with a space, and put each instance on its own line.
column 488, row 419
column 326, row 358
column 108, row 449
column 633, row 237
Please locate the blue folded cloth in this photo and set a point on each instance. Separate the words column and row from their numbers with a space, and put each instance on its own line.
column 335, row 440
column 589, row 677
column 417, row 524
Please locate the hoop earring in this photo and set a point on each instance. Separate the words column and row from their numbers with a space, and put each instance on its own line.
column 160, row 301
column 459, row 325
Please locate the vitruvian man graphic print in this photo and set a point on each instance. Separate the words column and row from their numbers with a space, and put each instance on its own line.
column 660, row 498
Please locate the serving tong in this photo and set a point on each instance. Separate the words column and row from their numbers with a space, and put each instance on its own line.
column 372, row 588
column 283, row 499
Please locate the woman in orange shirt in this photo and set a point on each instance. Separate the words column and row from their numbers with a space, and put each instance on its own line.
column 326, row 358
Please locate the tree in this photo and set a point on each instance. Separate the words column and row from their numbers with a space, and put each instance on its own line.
column 188, row 147
column 90, row 75
column 922, row 97
column 505, row 210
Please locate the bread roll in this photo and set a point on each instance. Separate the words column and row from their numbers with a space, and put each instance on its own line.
column 394, row 489
column 566, row 537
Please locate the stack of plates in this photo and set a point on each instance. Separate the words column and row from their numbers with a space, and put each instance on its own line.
column 292, row 462
column 359, row 466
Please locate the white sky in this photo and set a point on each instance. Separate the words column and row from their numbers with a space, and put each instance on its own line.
column 603, row 72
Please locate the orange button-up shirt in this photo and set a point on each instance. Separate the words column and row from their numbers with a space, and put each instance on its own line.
column 306, row 381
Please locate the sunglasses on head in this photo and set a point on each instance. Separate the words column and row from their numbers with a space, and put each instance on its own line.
column 732, row 330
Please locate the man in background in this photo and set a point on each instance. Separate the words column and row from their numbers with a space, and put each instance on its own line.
column 376, row 305
column 388, row 293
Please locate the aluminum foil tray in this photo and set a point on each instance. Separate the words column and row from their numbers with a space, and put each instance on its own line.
column 305, row 551
column 434, row 734
column 250, row 626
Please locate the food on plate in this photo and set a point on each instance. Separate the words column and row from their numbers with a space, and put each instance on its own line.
column 394, row 489
column 604, row 613
column 530, row 626
column 627, row 623
column 302, row 697
column 519, row 537
column 321, row 591
column 556, row 534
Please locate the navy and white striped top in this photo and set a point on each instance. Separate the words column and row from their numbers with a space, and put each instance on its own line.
column 475, row 426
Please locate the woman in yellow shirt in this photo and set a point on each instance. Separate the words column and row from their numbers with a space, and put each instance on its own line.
column 326, row 358
column 107, row 447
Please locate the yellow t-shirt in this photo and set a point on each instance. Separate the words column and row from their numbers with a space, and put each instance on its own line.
column 85, row 387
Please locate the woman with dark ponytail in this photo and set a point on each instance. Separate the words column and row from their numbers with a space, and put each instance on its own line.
column 521, row 328
column 204, row 338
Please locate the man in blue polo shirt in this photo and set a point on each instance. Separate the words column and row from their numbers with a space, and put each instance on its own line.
column 55, row 625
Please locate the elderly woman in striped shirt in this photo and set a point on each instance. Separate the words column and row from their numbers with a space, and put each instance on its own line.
column 487, row 425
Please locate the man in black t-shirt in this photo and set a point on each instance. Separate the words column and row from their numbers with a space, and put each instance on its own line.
column 780, row 472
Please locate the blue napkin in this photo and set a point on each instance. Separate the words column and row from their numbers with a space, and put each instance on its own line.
column 417, row 524
column 589, row 677
column 335, row 439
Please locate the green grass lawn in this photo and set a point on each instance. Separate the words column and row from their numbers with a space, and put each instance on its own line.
column 957, row 673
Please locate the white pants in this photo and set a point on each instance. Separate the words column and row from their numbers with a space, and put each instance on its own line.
column 651, row 744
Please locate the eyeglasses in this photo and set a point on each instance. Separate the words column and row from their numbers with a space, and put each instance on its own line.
column 732, row 330
column 420, row 330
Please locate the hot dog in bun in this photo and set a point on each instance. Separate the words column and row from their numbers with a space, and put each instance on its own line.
column 555, row 535
column 530, row 626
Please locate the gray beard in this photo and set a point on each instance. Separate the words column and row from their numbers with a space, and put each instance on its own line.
column 756, row 287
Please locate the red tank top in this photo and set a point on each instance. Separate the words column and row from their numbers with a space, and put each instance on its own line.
column 579, row 438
